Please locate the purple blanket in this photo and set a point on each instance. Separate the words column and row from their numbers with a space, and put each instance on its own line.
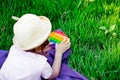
column 66, row 72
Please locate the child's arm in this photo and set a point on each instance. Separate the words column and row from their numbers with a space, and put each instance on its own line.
column 60, row 49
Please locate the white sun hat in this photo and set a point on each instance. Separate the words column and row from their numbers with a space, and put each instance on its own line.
column 31, row 31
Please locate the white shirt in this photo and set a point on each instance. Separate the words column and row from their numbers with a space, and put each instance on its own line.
column 21, row 65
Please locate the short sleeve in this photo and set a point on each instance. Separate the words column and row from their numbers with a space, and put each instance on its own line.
column 47, row 71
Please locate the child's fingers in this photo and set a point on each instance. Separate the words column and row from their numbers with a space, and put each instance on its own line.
column 67, row 41
column 68, row 45
column 63, row 41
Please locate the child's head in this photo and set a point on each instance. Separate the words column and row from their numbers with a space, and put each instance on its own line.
column 31, row 31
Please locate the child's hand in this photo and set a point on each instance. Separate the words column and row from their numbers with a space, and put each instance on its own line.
column 60, row 49
column 63, row 46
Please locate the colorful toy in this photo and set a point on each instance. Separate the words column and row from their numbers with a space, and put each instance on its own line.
column 57, row 36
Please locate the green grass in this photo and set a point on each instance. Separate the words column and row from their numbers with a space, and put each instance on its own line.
column 95, row 54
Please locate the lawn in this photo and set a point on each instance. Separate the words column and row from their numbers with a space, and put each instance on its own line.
column 92, row 25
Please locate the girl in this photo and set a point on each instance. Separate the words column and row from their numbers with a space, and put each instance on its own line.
column 26, row 59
